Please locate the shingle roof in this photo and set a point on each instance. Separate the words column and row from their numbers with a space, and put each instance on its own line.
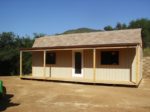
column 116, row 37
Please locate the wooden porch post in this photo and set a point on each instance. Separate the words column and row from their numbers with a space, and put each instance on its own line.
column 20, row 63
column 44, row 63
column 137, row 64
column 94, row 64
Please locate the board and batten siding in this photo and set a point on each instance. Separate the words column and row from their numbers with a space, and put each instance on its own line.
column 63, row 67
column 138, row 64
column 141, row 62
column 88, row 64
column 37, row 64
column 121, row 72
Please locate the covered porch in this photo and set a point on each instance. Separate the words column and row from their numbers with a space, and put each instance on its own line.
column 125, row 72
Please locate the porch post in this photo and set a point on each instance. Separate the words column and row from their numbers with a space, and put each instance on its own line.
column 94, row 64
column 44, row 63
column 137, row 64
column 20, row 63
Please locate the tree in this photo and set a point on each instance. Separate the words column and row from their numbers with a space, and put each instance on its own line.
column 145, row 25
column 6, row 39
column 120, row 26
column 108, row 28
column 38, row 35
column 9, row 53
column 124, row 26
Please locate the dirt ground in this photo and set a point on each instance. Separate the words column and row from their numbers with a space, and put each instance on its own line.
column 41, row 96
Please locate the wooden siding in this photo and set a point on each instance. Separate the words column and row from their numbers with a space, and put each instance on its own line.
column 138, row 69
column 37, row 64
column 63, row 66
column 141, row 62
column 88, row 64
column 119, row 72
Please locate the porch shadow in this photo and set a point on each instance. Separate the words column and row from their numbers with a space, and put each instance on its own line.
column 5, row 102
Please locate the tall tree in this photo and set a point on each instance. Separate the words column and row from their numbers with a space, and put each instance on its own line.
column 145, row 25
column 9, row 52
column 120, row 26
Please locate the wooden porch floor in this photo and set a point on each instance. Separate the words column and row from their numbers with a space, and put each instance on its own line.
column 83, row 81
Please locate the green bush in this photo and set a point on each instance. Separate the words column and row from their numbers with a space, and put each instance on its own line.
column 146, row 52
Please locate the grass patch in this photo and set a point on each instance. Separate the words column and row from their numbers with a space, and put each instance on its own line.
column 146, row 52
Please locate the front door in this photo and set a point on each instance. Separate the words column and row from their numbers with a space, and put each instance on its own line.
column 77, row 64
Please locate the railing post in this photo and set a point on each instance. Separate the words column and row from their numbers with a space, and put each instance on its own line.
column 94, row 64
column 44, row 63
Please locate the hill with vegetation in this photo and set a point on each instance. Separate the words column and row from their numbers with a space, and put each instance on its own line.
column 80, row 30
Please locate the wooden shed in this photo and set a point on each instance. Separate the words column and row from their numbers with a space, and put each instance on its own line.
column 108, row 57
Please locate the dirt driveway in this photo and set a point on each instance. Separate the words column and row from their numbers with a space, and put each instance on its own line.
column 40, row 96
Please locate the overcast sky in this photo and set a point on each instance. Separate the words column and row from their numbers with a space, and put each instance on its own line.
column 55, row 16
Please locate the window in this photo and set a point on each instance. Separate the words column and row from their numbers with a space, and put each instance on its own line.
column 109, row 57
column 50, row 58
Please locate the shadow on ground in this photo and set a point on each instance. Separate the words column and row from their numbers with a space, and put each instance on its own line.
column 5, row 102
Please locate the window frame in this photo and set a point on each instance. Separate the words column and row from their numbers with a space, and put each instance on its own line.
column 118, row 53
column 48, row 53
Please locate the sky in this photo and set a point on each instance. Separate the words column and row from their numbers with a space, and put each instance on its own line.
column 25, row 17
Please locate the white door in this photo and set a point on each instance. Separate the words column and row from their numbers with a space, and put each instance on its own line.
column 77, row 70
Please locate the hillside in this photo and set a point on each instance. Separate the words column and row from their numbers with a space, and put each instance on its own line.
column 80, row 30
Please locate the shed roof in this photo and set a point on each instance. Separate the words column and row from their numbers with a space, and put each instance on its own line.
column 116, row 37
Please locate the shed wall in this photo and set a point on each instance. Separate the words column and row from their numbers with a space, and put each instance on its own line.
column 121, row 72
column 63, row 66
column 37, row 64
column 141, row 62
column 88, row 64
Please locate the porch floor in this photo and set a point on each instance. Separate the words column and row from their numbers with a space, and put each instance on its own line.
column 78, row 80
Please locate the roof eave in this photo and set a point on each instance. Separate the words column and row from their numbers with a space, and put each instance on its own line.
column 80, row 46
